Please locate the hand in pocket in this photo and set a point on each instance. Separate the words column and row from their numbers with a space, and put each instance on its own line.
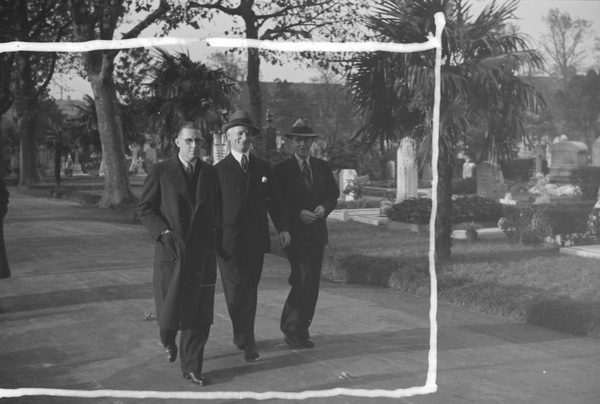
column 168, row 241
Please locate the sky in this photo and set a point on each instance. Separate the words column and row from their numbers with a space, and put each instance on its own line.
column 529, row 18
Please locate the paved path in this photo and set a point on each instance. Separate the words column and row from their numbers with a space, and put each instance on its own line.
column 72, row 317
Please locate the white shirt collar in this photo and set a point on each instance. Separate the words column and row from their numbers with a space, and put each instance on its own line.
column 185, row 163
column 300, row 161
column 238, row 156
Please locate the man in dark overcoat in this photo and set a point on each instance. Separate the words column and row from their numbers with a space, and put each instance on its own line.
column 180, row 207
column 4, row 268
column 249, row 193
column 310, row 193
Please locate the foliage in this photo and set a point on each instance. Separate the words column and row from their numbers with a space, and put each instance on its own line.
column 587, row 178
column 563, row 43
column 518, row 169
column 183, row 90
column 464, row 186
column 362, row 203
column 527, row 223
column 480, row 88
column 275, row 156
column 472, row 208
column 354, row 189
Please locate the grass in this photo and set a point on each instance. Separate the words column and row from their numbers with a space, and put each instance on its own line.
column 527, row 283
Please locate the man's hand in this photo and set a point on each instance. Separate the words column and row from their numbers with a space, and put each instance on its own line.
column 284, row 239
column 168, row 240
column 306, row 216
column 320, row 212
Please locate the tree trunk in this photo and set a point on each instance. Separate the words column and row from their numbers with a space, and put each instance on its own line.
column 443, row 222
column 27, row 107
column 116, row 179
column 253, row 81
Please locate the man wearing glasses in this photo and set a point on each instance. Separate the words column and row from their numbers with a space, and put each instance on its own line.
column 180, row 207
column 249, row 193
column 310, row 193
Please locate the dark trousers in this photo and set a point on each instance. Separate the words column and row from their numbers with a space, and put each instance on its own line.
column 306, row 259
column 191, row 346
column 240, row 275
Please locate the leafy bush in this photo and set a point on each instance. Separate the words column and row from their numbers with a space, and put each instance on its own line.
column 518, row 169
column 358, row 204
column 471, row 208
column 588, row 180
column 533, row 223
column 354, row 189
column 462, row 186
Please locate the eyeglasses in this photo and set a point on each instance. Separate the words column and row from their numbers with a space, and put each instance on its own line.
column 188, row 141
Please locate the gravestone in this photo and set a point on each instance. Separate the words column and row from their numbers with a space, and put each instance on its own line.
column 596, row 153
column 219, row 147
column 539, row 154
column 490, row 181
column 134, row 167
column 390, row 170
column 76, row 164
column 346, row 175
column 407, row 177
column 566, row 156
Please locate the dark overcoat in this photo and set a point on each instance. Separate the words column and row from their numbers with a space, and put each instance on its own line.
column 4, row 268
column 325, row 192
column 184, row 288
column 246, row 200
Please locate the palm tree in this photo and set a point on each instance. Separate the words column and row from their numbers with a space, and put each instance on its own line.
column 481, row 92
column 184, row 90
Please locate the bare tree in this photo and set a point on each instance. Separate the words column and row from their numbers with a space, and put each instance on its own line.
column 281, row 20
column 563, row 43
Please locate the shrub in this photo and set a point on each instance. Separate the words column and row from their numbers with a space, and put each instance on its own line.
column 471, row 208
column 517, row 169
column 588, row 180
column 354, row 189
column 533, row 223
column 358, row 204
column 463, row 186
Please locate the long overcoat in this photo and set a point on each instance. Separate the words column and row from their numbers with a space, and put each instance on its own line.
column 4, row 268
column 184, row 288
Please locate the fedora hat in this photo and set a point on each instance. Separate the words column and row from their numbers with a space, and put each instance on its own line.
column 240, row 118
column 302, row 129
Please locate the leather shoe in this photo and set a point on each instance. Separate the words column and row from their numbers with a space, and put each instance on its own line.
column 171, row 351
column 196, row 378
column 250, row 353
column 298, row 342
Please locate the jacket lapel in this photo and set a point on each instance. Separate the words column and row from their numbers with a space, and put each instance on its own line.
column 177, row 178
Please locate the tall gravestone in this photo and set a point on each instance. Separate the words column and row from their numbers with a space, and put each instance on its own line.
column 490, row 181
column 390, row 170
column 596, row 153
column 539, row 154
column 346, row 175
column 219, row 147
column 407, row 177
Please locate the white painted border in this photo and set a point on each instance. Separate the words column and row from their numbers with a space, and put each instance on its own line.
column 432, row 42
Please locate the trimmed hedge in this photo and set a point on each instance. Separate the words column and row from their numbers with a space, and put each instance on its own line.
column 469, row 208
column 533, row 223
column 588, row 180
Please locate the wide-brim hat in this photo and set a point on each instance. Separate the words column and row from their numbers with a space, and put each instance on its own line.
column 240, row 118
column 301, row 129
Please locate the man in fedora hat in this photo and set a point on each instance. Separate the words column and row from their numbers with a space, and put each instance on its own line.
column 249, row 193
column 310, row 194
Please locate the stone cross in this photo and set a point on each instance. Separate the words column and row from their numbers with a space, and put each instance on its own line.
column 407, row 178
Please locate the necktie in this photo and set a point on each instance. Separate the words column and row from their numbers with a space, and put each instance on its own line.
column 306, row 175
column 244, row 163
column 189, row 171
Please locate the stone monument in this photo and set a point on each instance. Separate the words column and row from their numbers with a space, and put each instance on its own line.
column 566, row 156
column 407, row 177
column 390, row 170
column 596, row 153
column 346, row 175
column 490, row 181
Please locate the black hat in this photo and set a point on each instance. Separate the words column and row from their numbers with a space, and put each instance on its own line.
column 240, row 118
column 302, row 129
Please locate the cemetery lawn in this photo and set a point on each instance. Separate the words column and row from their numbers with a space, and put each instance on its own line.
column 527, row 283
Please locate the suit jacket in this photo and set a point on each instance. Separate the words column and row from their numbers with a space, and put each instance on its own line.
column 4, row 268
column 184, row 288
column 325, row 192
column 247, row 198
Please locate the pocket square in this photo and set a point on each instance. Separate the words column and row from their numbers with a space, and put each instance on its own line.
column 264, row 179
